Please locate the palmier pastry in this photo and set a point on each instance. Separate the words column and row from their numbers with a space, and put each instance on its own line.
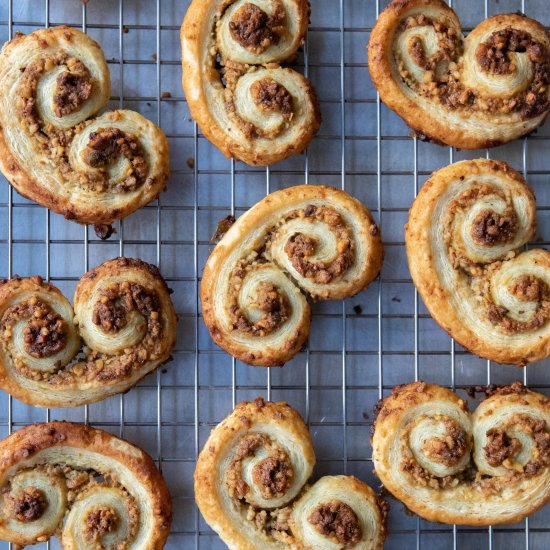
column 122, row 312
column 450, row 466
column 245, row 103
column 250, row 486
column 312, row 238
column 55, row 150
column 87, row 487
column 464, row 239
column 480, row 91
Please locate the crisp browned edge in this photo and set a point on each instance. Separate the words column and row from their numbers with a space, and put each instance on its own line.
column 9, row 287
column 425, row 279
column 243, row 417
column 271, row 203
column 190, row 35
column 32, row 189
column 409, row 395
column 379, row 53
column 30, row 440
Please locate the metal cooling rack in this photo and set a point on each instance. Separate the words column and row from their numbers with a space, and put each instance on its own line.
column 358, row 349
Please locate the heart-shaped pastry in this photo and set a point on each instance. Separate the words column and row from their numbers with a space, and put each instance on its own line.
column 450, row 466
column 251, row 487
column 480, row 91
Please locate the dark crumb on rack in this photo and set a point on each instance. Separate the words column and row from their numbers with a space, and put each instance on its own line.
column 165, row 95
column 365, row 415
column 125, row 29
column 164, row 371
column 396, row 299
column 191, row 163
column 154, row 56
column 104, row 231
column 358, row 309
column 223, row 228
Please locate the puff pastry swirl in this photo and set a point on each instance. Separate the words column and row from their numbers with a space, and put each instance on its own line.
column 312, row 238
column 244, row 101
column 55, row 150
column 122, row 312
column 464, row 242
column 450, row 466
column 250, row 486
column 84, row 485
column 480, row 91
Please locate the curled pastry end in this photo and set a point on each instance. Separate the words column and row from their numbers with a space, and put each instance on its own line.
column 450, row 466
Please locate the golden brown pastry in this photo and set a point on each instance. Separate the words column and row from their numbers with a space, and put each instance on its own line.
column 464, row 239
column 84, row 485
column 244, row 101
column 312, row 238
column 450, row 466
column 55, row 150
column 480, row 91
column 122, row 312
column 250, row 486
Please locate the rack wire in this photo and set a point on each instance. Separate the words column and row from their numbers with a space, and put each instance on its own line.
column 358, row 349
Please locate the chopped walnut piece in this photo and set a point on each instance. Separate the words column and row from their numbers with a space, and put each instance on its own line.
column 337, row 521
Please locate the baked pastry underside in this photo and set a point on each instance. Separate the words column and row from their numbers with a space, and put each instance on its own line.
column 216, row 183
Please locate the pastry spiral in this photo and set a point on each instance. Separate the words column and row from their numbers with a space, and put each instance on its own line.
column 480, row 91
column 250, row 486
column 450, row 466
column 314, row 238
column 54, row 150
column 122, row 312
column 464, row 242
column 245, row 103
column 109, row 492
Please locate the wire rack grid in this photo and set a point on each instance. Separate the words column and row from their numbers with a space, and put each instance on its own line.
column 358, row 349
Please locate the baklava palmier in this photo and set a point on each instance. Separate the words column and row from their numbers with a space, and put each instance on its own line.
column 122, row 313
column 55, row 149
column 465, row 242
column 247, row 104
column 450, row 466
column 86, row 486
column 475, row 92
column 308, row 238
column 251, row 487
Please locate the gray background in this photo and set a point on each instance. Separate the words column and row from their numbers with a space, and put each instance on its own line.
column 352, row 359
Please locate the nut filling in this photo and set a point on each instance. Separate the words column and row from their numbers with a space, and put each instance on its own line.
column 46, row 331
column 100, row 522
column 502, row 448
column 73, row 89
column 301, row 247
column 450, row 449
column 272, row 476
column 117, row 300
column 271, row 302
column 337, row 521
column 256, row 30
column 271, row 96
column 28, row 505
column 106, row 145
column 490, row 228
